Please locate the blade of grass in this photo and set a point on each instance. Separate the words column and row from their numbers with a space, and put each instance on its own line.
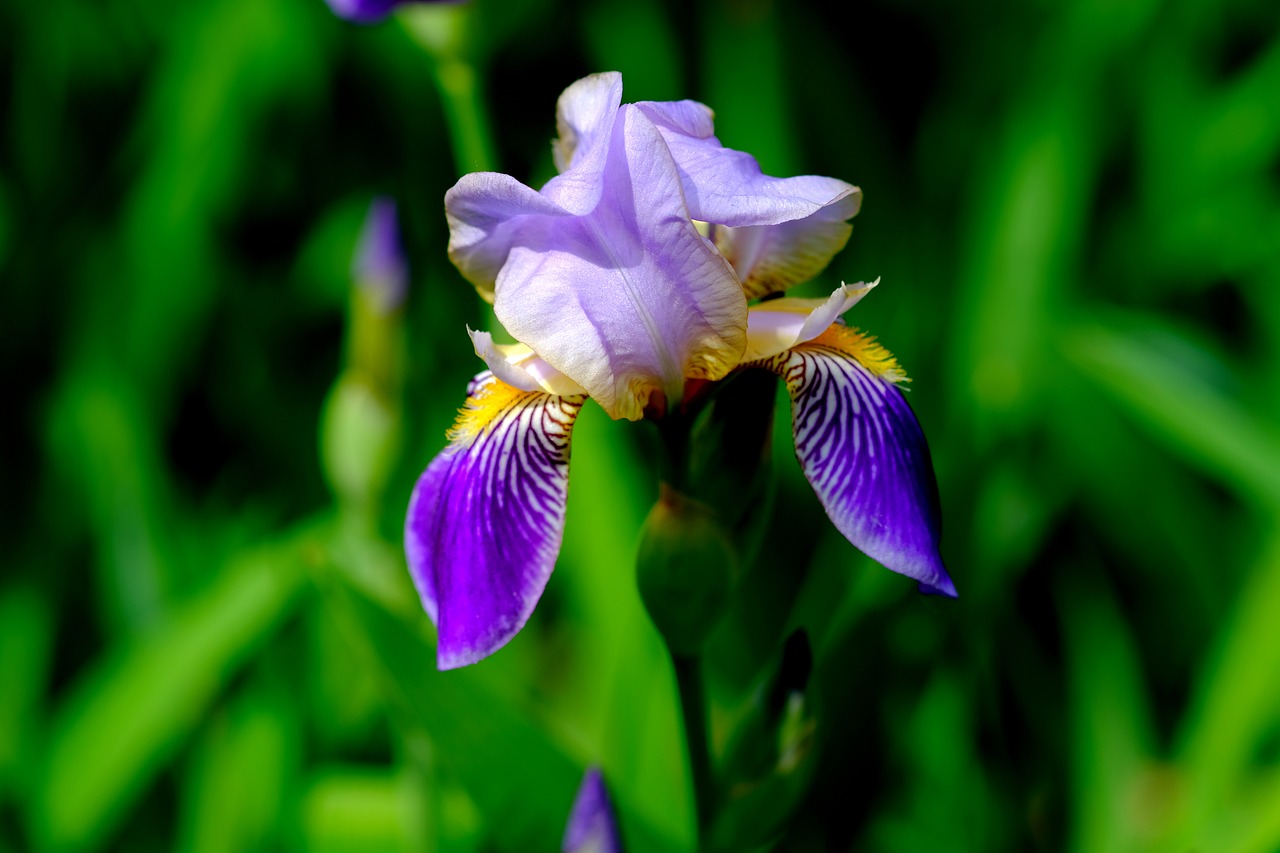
column 1233, row 703
column 1195, row 420
column 127, row 716
column 1112, row 732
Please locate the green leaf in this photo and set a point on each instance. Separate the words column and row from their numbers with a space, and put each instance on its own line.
column 127, row 715
column 1192, row 417
column 1111, row 726
column 1233, row 704
column 239, row 775
column 522, row 782
column 26, row 643
column 361, row 809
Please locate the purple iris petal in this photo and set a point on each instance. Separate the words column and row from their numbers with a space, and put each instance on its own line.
column 603, row 273
column 628, row 299
column 726, row 186
column 379, row 266
column 585, row 117
column 486, row 212
column 771, row 258
column 368, row 11
column 781, row 231
column 486, row 518
column 592, row 826
column 864, row 453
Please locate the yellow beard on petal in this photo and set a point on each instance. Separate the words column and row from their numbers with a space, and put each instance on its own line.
column 483, row 408
column 862, row 348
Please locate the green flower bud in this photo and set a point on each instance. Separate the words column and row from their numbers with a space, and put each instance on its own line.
column 685, row 569
column 359, row 440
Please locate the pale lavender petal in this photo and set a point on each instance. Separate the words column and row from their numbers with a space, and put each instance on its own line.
column 379, row 266
column 777, row 325
column 782, row 231
column 486, row 211
column 772, row 258
column 592, row 828
column 629, row 299
column 585, row 117
column 864, row 453
column 486, row 518
column 520, row 367
column 726, row 187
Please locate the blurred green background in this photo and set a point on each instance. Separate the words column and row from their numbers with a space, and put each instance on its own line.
column 207, row 637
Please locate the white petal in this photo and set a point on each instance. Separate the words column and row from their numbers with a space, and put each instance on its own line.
column 520, row 367
column 780, row 324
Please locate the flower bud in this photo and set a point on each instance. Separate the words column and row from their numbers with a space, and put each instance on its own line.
column 593, row 825
column 379, row 268
column 359, row 440
column 685, row 569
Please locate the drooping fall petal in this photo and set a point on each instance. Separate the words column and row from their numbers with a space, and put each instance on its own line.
column 864, row 453
column 486, row 518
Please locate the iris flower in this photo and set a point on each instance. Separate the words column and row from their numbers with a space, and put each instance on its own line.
column 627, row 279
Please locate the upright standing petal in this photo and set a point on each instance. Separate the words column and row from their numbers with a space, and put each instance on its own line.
column 592, row 826
column 776, row 232
column 772, row 258
column 485, row 211
column 864, row 453
column 585, row 117
column 486, row 518
column 629, row 299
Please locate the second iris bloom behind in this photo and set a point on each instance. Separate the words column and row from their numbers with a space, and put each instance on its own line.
column 627, row 279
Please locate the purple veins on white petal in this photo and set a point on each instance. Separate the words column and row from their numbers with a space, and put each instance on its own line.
column 863, row 451
column 486, row 519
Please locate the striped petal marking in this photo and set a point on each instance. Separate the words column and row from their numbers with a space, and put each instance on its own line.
column 486, row 518
column 863, row 451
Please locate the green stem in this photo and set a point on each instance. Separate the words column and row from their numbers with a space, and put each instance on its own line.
column 468, row 121
column 693, row 707
column 441, row 32
column 673, row 466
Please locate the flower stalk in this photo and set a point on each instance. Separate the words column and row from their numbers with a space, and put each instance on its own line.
column 685, row 569
column 693, row 713
column 441, row 31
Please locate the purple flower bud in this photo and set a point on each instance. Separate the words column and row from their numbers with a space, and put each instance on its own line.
column 379, row 267
column 592, row 826
column 367, row 11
